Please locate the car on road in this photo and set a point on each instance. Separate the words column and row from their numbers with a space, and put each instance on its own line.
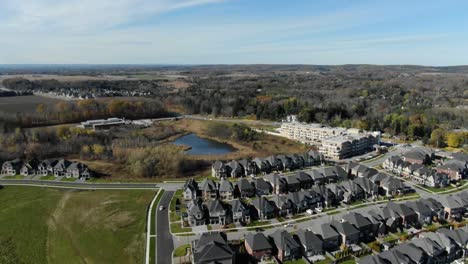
column 309, row 211
column 288, row 225
column 161, row 208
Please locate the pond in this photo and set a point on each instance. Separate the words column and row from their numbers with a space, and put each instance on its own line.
column 203, row 146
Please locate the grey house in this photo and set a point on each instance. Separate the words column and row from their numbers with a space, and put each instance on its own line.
column 12, row 167
column 293, row 183
column 436, row 207
column 46, row 167
column 190, row 190
column 78, row 171
column 349, row 233
column 258, row 246
column 371, row 190
column 284, row 206
column 239, row 212
column 277, row 182
column 435, row 252
column 263, row 208
column 226, row 190
column 262, row 166
column 408, row 216
column 327, row 197
column 331, row 239
column 317, row 177
column 30, row 168
column 245, row 188
column 363, row 224
column 60, row 168
column 311, row 244
column 218, row 169
column 287, row 247
column 212, row 248
column 209, row 189
column 217, row 212
column 196, row 213
column 424, row 213
column 305, row 180
column 262, row 187
column 249, row 167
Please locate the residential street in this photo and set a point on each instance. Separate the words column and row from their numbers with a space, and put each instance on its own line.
column 164, row 244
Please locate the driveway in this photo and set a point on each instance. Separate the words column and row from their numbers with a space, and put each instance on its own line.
column 164, row 244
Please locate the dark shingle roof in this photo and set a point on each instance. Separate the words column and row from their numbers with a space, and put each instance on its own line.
column 257, row 241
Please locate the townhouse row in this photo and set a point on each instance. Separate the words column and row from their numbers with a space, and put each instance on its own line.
column 50, row 167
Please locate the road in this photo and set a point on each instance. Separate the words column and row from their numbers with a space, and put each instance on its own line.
column 164, row 244
column 80, row 185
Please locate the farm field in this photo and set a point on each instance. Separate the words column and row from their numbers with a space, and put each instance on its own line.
column 25, row 104
column 57, row 226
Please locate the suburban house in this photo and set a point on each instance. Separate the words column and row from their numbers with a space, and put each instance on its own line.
column 420, row 155
column 262, row 187
column 331, row 239
column 245, row 188
column 262, row 166
column 212, row 248
column 311, row 244
column 458, row 236
column 12, row 167
column 392, row 186
column 275, row 163
column 209, row 189
column 217, row 212
column 277, row 182
column 226, row 190
column 305, row 180
column 196, row 213
column 392, row 219
column 328, row 198
column 284, row 206
column 318, row 177
column 46, row 167
column 453, row 207
column 264, row 209
column 349, row 233
column 250, row 168
column 451, row 249
column 239, row 212
column 286, row 162
column 60, row 168
column 293, row 184
column 455, row 169
column 435, row 252
column 436, row 207
column 258, row 246
column 190, row 190
column 379, row 227
column 287, row 247
column 218, row 169
column 363, row 224
column 352, row 191
column 78, row 171
column 371, row 190
column 408, row 216
column 424, row 213
column 30, row 168
column 234, row 169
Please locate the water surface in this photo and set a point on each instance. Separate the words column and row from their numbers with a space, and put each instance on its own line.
column 203, row 146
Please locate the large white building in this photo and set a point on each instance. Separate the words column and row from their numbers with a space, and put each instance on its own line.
column 334, row 142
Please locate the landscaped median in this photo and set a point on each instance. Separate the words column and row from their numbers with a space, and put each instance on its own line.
column 151, row 229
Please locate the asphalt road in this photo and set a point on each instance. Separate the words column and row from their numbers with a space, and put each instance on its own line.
column 80, row 185
column 164, row 243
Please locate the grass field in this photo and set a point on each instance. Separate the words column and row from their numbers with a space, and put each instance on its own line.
column 56, row 226
column 24, row 104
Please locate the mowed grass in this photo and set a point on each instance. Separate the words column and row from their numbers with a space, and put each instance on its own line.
column 67, row 226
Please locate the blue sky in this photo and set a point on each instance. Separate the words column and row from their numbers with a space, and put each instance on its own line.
column 234, row 32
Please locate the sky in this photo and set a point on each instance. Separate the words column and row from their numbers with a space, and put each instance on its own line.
column 324, row 32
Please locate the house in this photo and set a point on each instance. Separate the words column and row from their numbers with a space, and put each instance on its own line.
column 305, row 180
column 458, row 236
column 337, row 191
column 277, row 182
column 196, row 213
column 392, row 186
column 218, row 169
column 286, row 162
column 371, row 190
column 298, row 161
column 373, row 259
column 234, row 169
column 190, row 190
column 293, row 184
column 317, row 177
column 258, row 246
column 303, row 200
column 331, row 239
column 212, row 248
column 435, row 206
column 424, row 213
column 435, row 252
column 363, row 224
column 239, row 212
column 46, row 167
column 209, row 189
column 262, row 187
column 313, row 158
column 451, row 249
column 264, row 209
column 453, row 207
column 352, row 191
column 394, row 257
column 226, row 190
column 287, row 247
column 30, row 168
column 391, row 163
column 12, row 167
column 217, row 212
column 455, row 169
column 262, row 166
column 416, row 255
column 408, row 216
column 245, row 188
column 250, row 169
column 420, row 155
column 78, row 171
column 392, row 219
column 334, row 174
column 349, row 233
column 377, row 223
column 311, row 244
column 60, row 168
column 328, row 198
column 284, row 206
column 275, row 163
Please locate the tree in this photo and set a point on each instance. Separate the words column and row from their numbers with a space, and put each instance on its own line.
column 40, row 108
column 98, row 149
column 454, row 140
column 438, row 137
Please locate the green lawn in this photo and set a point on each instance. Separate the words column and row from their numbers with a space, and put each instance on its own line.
column 48, row 178
column 66, row 226
column 16, row 177
column 325, row 261
column 177, row 228
column 181, row 251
